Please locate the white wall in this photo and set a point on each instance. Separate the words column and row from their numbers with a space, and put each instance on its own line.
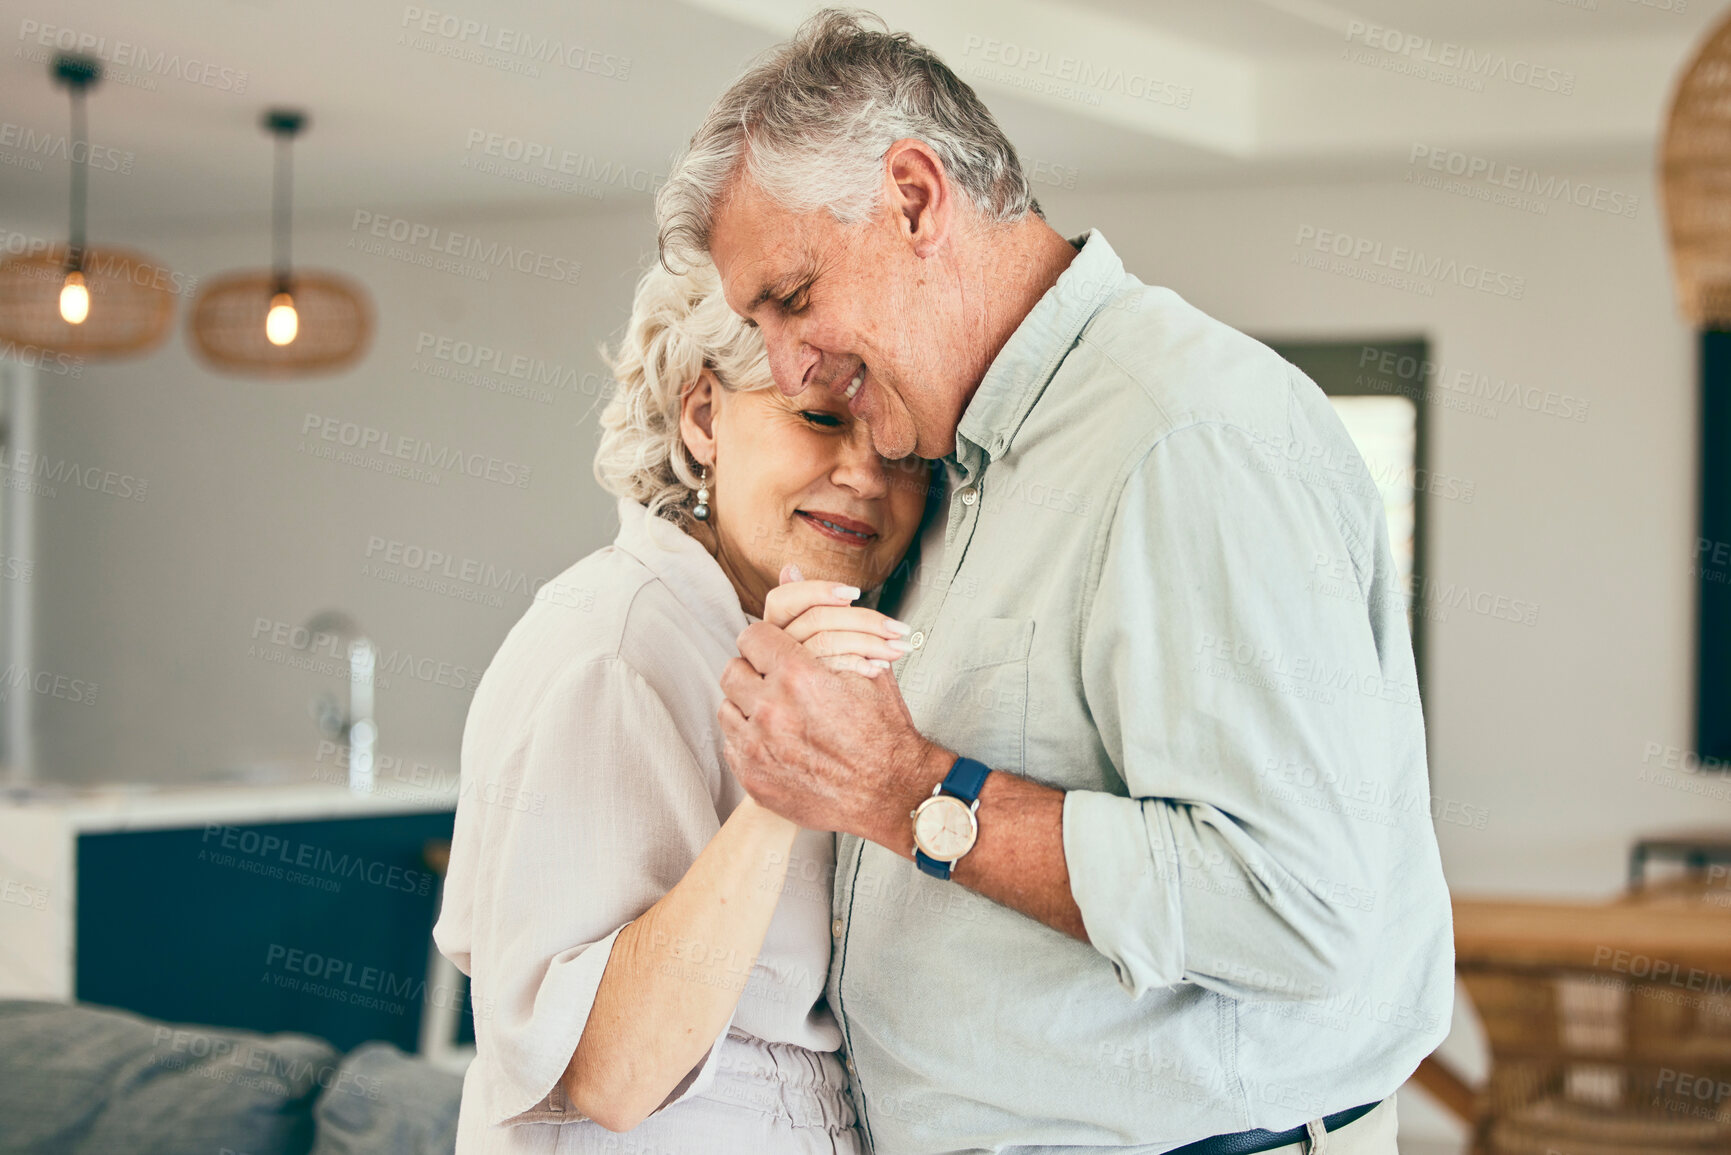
column 156, row 600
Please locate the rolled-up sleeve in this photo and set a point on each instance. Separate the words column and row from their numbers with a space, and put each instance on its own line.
column 573, row 821
column 1250, row 718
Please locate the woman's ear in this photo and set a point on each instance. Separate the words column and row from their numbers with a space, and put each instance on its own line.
column 697, row 417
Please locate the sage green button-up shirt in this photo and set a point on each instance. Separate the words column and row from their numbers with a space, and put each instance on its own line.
column 1161, row 583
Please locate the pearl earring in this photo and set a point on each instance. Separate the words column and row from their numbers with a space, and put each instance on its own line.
column 701, row 510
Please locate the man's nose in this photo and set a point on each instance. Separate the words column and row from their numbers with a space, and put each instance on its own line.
column 789, row 360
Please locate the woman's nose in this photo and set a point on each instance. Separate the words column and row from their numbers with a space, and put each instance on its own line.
column 860, row 468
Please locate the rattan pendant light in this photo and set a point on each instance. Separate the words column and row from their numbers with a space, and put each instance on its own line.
column 1696, row 176
column 74, row 298
column 280, row 322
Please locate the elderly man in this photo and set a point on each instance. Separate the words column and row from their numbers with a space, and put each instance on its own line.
column 1138, row 854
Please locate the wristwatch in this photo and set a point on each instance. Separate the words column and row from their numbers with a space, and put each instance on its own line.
column 945, row 826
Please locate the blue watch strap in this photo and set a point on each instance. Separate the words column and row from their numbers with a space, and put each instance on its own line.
column 964, row 781
column 938, row 870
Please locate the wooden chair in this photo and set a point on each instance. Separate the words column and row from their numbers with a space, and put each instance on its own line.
column 1609, row 1026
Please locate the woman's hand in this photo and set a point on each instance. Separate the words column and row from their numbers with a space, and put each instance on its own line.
column 820, row 616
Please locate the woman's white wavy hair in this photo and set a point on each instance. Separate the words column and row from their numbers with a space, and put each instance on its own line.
column 680, row 325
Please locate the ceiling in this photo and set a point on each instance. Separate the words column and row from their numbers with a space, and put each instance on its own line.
column 405, row 102
column 1301, row 26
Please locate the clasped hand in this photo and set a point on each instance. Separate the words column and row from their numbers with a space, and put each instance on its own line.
column 815, row 727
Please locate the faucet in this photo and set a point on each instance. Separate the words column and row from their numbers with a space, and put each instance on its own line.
column 353, row 726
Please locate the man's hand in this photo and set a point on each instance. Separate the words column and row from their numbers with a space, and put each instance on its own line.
column 826, row 748
column 832, row 750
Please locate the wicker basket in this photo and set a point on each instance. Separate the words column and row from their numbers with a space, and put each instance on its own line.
column 1696, row 178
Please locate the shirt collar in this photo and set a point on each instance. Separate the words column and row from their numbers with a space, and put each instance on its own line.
column 684, row 566
column 1031, row 356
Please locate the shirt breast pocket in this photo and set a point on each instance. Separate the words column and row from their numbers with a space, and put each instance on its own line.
column 974, row 698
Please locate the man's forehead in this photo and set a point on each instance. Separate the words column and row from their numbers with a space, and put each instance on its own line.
column 757, row 245
column 750, row 265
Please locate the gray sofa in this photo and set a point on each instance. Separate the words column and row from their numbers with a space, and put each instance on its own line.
column 85, row 1080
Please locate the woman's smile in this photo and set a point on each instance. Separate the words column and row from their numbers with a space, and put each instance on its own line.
column 838, row 528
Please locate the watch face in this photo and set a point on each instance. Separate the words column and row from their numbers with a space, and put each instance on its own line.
column 944, row 827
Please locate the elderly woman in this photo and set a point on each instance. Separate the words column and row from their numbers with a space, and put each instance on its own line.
column 647, row 945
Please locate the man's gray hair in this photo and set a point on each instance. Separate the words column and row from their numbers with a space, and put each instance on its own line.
column 811, row 122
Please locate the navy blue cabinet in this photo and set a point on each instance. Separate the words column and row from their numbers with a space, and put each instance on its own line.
column 321, row 927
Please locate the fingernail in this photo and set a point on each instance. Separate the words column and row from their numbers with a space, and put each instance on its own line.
column 879, row 663
column 793, row 573
column 848, row 592
column 899, row 646
column 895, row 627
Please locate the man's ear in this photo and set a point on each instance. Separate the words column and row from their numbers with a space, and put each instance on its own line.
column 697, row 417
column 920, row 194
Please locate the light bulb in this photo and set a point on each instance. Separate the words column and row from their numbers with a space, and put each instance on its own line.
column 74, row 299
column 282, row 322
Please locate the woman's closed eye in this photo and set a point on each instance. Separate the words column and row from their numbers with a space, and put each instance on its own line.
column 821, row 419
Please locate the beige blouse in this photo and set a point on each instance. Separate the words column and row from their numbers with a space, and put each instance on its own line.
column 592, row 776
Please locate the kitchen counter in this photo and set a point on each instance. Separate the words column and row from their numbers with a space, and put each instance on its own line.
column 41, row 829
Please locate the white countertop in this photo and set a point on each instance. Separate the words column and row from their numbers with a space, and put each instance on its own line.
column 153, row 806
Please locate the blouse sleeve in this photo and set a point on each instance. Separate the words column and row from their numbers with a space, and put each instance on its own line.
column 568, row 827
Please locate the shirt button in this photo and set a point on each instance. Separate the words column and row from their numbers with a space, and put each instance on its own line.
column 918, row 640
column 835, row 928
column 969, row 496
